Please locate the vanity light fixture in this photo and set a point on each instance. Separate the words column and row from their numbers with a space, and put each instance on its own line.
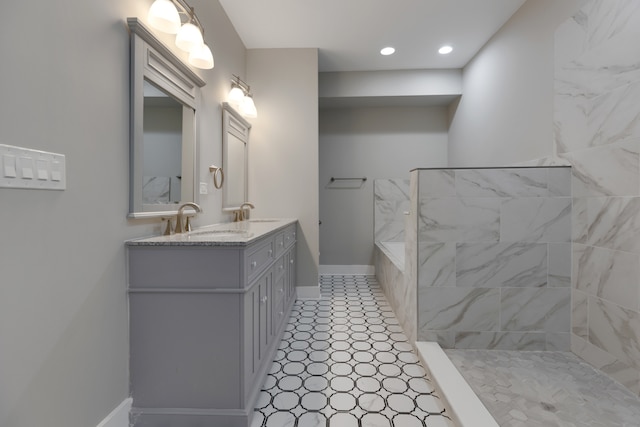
column 168, row 15
column 240, row 98
column 445, row 50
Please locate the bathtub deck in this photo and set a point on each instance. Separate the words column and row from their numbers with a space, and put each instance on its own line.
column 546, row 388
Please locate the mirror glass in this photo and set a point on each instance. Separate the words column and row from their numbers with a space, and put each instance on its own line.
column 162, row 147
column 164, row 97
column 235, row 154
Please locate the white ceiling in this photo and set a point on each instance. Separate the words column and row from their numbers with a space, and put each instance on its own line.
column 350, row 33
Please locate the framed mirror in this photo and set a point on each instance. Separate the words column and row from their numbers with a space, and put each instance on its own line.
column 235, row 158
column 165, row 94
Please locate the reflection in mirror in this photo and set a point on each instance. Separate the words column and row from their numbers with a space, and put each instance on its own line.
column 235, row 154
column 164, row 97
column 162, row 147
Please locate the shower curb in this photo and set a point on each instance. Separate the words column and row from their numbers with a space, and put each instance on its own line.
column 466, row 408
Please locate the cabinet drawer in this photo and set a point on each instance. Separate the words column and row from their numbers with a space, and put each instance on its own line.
column 279, row 268
column 258, row 259
column 279, row 242
column 289, row 236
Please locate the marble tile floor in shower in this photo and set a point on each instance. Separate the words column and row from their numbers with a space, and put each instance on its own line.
column 545, row 389
column 344, row 361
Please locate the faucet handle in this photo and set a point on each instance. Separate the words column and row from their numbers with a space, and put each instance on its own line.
column 167, row 230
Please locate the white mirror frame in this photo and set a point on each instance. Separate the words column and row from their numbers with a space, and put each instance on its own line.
column 153, row 61
column 233, row 124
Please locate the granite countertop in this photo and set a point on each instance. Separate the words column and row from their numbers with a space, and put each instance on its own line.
column 227, row 234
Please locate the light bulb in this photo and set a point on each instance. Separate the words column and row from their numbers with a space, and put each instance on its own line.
column 189, row 37
column 164, row 16
column 201, row 58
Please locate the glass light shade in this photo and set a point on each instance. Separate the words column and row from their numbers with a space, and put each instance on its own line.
column 164, row 16
column 189, row 38
column 445, row 49
column 236, row 95
column 248, row 108
column 201, row 58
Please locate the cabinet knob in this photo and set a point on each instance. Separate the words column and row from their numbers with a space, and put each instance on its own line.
column 270, row 252
column 291, row 262
column 264, row 299
column 281, row 290
column 282, row 243
column 253, row 264
column 281, row 313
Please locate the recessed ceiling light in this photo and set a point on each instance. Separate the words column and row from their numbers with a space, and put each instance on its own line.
column 387, row 51
column 445, row 49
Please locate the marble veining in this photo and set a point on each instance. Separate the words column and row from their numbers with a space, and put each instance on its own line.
column 597, row 129
column 494, row 257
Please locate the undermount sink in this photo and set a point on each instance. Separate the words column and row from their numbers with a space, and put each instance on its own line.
column 264, row 220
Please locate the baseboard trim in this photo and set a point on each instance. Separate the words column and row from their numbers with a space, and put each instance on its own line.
column 119, row 417
column 328, row 270
column 308, row 292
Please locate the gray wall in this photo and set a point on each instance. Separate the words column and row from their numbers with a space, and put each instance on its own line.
column 283, row 151
column 376, row 143
column 63, row 305
column 505, row 114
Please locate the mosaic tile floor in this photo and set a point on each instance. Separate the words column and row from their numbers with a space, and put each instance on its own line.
column 545, row 389
column 345, row 362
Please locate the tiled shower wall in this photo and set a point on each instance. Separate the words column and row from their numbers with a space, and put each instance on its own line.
column 493, row 257
column 597, row 129
column 391, row 200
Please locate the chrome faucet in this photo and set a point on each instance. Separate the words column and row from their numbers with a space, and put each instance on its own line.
column 180, row 228
column 242, row 213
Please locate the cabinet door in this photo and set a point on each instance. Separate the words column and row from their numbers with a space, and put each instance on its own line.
column 291, row 273
column 265, row 314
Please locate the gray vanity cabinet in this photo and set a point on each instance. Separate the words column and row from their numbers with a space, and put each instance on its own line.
column 205, row 324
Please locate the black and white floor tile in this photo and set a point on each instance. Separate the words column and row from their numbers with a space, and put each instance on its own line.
column 344, row 361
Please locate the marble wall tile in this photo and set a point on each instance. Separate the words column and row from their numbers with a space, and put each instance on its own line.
column 559, row 182
column 616, row 330
column 570, row 39
column 608, row 274
column 437, row 183
column 615, row 115
column 588, row 166
column 436, row 264
column 570, row 119
column 501, row 264
column 512, row 182
column 446, row 308
column 614, row 223
column 536, row 220
column 579, row 314
column 389, row 220
column 542, row 309
column 391, row 200
column 530, row 341
column 623, row 373
column 579, row 220
column 453, row 219
column 446, row 339
column 559, row 341
column 559, row 274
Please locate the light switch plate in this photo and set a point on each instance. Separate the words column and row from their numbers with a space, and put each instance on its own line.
column 204, row 188
column 33, row 169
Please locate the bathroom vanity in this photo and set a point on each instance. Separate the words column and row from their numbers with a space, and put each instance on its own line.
column 207, row 311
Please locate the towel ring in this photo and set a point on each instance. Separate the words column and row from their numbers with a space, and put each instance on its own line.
column 215, row 170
